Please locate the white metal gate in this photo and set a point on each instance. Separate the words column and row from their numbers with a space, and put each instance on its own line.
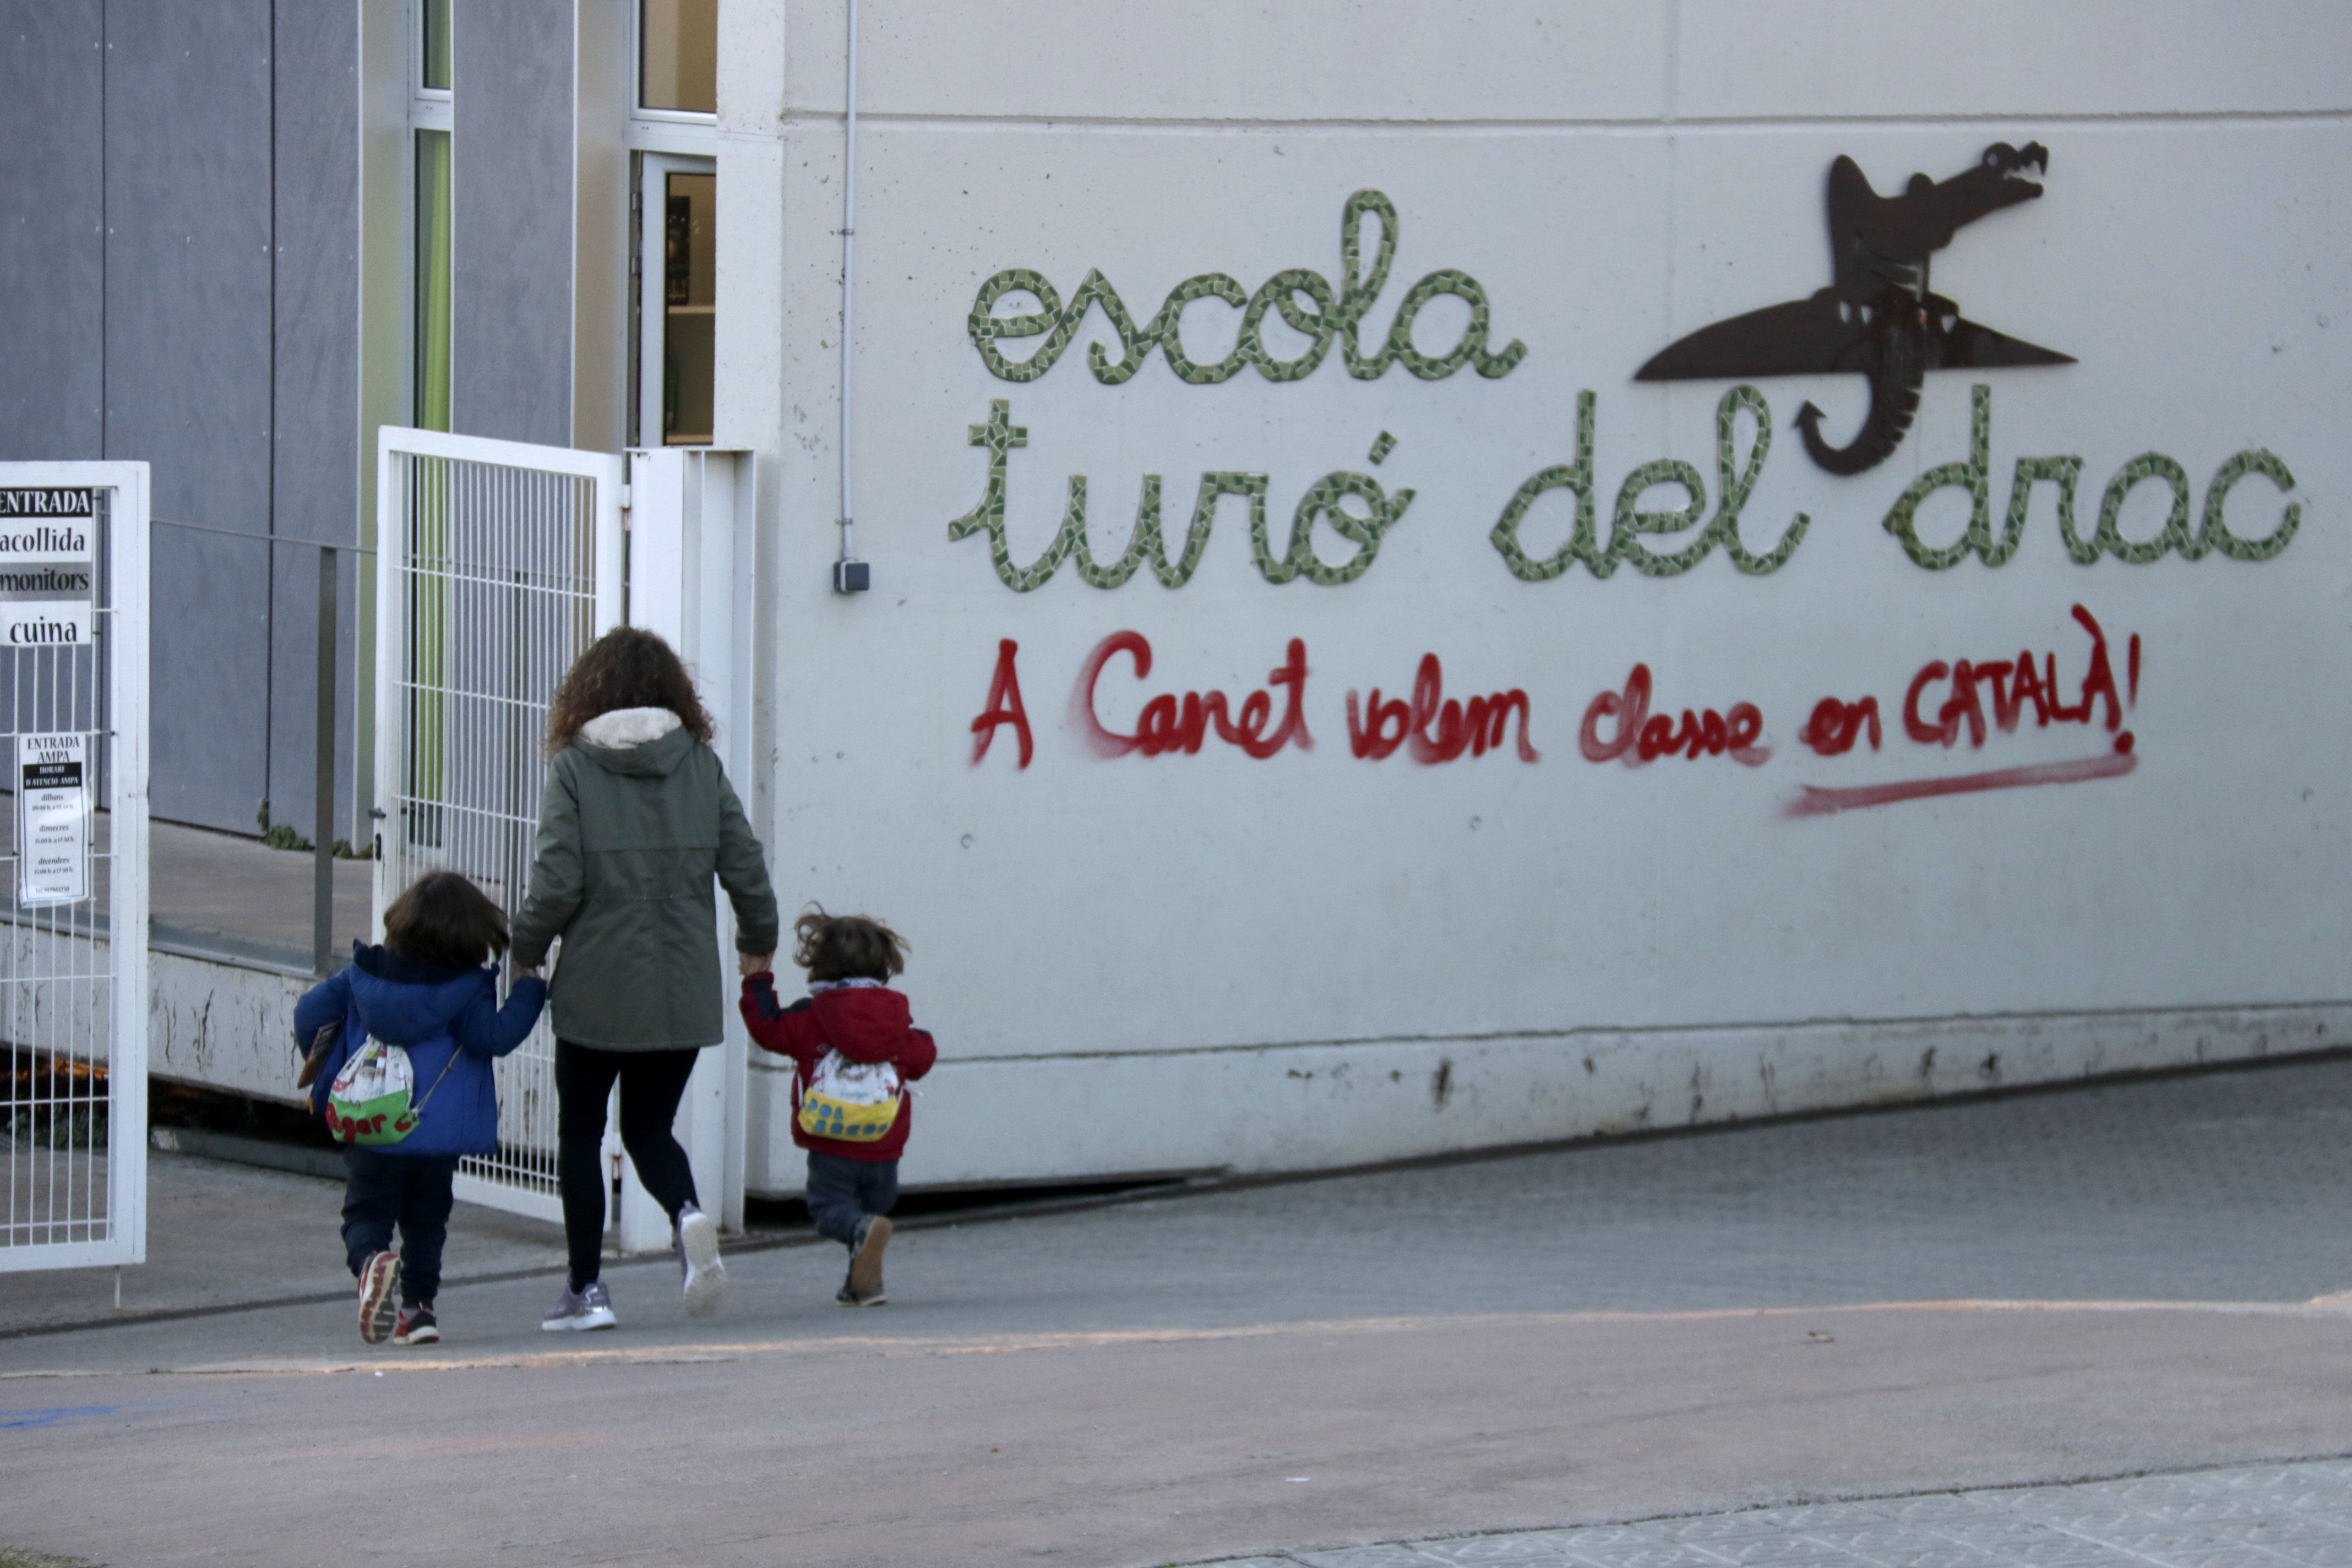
column 498, row 564
column 73, row 959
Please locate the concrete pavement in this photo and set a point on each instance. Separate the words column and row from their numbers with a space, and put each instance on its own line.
column 2035, row 1289
column 220, row 1234
column 217, row 893
column 2266, row 1516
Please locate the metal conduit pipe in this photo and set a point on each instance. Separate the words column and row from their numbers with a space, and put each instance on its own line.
column 850, row 575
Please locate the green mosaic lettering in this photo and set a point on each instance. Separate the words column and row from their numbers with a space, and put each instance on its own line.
column 1303, row 299
column 2216, row 535
column 2175, row 533
column 1280, row 293
column 2064, row 472
column 1972, row 476
column 1470, row 351
column 1167, row 326
column 1382, row 513
column 1732, row 490
column 1577, row 476
column 1357, row 291
column 1632, row 521
column 986, row 328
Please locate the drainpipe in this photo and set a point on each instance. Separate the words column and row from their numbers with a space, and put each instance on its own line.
column 850, row 575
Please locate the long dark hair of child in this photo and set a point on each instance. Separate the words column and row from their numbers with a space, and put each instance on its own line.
column 443, row 919
column 628, row 666
column 847, row 947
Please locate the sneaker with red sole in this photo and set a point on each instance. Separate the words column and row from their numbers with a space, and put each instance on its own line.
column 379, row 1296
column 417, row 1326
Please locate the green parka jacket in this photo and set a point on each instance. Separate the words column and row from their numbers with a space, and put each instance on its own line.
column 630, row 835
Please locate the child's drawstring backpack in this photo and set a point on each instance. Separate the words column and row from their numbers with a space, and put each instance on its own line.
column 369, row 1102
column 857, row 1102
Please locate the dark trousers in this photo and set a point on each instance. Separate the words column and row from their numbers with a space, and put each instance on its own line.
column 652, row 1083
column 842, row 1192
column 412, row 1192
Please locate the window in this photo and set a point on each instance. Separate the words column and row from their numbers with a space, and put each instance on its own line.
column 433, row 46
column 677, row 56
column 673, row 138
column 432, row 302
column 678, row 308
column 430, row 101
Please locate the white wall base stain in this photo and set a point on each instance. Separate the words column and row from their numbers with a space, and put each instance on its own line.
column 1302, row 1108
column 1257, row 1110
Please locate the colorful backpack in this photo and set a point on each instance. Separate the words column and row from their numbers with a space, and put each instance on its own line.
column 369, row 1102
column 857, row 1102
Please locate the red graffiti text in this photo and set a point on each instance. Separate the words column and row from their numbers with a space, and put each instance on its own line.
column 1476, row 729
column 2014, row 685
column 1003, row 707
column 1642, row 736
column 1170, row 724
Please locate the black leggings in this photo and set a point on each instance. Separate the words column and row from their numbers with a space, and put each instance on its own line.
column 652, row 1083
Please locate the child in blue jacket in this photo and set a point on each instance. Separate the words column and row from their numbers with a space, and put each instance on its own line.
column 427, row 989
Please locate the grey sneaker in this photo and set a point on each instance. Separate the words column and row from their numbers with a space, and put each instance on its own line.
column 591, row 1308
column 701, row 1273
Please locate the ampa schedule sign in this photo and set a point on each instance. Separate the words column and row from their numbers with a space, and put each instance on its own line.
column 52, row 819
column 49, row 566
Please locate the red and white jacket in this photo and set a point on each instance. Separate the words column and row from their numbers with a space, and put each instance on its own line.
column 865, row 1021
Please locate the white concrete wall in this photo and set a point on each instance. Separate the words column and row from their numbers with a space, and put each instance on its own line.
column 223, row 1025
column 1137, row 962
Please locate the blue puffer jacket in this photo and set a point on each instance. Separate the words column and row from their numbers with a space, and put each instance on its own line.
column 436, row 1012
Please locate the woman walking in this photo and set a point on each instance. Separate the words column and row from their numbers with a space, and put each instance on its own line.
column 636, row 820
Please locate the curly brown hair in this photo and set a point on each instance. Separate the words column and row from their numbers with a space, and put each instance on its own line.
column 628, row 666
column 847, row 947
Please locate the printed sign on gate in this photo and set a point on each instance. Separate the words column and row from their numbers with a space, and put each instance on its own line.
column 52, row 819
column 48, row 566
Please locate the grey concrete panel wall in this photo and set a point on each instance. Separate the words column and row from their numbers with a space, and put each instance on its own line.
column 294, row 690
column 51, row 229
column 188, row 299
column 512, row 220
column 210, row 640
column 318, row 463
column 316, row 256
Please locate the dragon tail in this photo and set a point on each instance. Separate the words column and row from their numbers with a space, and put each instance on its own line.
column 1895, row 389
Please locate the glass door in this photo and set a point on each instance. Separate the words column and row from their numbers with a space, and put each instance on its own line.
column 676, row 300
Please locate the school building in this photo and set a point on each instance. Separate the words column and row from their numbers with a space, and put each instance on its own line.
column 1361, row 580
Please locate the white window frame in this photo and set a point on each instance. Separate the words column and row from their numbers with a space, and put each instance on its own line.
column 688, row 132
column 428, row 107
column 654, row 170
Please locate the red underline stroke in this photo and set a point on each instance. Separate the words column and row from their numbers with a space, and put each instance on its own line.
column 1818, row 802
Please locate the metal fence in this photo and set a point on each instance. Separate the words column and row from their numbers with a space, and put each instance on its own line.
column 499, row 563
column 73, row 986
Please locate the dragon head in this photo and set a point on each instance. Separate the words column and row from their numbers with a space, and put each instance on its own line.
column 2004, row 176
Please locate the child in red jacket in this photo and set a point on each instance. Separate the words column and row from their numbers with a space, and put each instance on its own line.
column 853, row 1050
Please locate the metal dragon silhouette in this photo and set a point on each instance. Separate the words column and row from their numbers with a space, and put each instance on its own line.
column 1878, row 317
